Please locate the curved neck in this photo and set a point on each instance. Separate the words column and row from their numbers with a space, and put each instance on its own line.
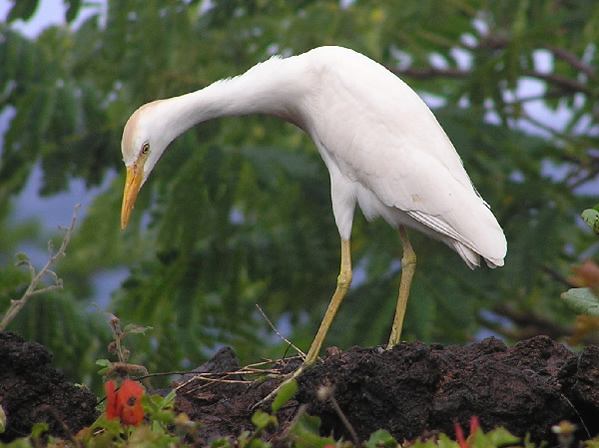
column 271, row 88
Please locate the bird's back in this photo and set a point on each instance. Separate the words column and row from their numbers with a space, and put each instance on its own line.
column 385, row 149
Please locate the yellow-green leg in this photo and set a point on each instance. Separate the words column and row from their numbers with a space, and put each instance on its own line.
column 343, row 281
column 408, row 266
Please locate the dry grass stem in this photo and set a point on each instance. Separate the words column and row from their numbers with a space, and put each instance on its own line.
column 302, row 354
column 37, row 277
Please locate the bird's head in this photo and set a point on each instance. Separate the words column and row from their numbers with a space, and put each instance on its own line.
column 142, row 145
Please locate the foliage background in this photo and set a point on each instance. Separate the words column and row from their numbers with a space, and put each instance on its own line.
column 238, row 210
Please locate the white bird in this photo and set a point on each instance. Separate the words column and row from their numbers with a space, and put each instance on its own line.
column 382, row 145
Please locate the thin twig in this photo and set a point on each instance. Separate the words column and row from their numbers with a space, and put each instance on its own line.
column 224, row 377
column 207, row 381
column 62, row 424
column 303, row 355
column 345, row 421
column 326, row 392
column 578, row 414
column 16, row 305
column 242, row 371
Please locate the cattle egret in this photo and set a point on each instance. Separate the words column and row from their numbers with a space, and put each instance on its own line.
column 382, row 145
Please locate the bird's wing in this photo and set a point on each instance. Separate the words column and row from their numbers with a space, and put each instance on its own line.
column 430, row 189
column 380, row 134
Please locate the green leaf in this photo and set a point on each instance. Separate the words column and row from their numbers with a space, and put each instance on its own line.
column 169, row 400
column 591, row 217
column 160, row 408
column 38, row 429
column 223, row 442
column 380, row 439
column 306, row 432
column 582, row 300
column 22, row 9
column 2, row 420
column 105, row 364
column 286, row 391
column 496, row 437
column 22, row 258
column 261, row 420
column 72, row 10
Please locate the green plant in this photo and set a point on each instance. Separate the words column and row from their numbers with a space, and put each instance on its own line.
column 591, row 217
column 584, row 298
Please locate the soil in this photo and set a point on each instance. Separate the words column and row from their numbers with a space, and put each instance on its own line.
column 413, row 391
column 33, row 392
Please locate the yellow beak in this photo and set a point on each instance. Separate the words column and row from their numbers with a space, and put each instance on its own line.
column 132, row 186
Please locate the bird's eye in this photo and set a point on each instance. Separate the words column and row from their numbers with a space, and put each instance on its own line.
column 145, row 148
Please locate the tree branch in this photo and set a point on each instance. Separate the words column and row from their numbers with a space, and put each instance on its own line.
column 430, row 72
column 564, row 83
column 571, row 59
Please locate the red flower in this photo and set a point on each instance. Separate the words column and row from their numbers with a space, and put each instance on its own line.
column 124, row 402
column 459, row 432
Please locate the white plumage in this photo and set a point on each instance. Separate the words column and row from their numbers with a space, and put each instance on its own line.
column 382, row 145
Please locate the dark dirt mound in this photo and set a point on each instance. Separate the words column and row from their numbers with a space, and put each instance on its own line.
column 32, row 392
column 413, row 391
column 417, row 390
